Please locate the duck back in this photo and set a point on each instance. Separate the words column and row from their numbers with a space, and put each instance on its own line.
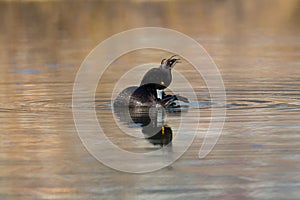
column 134, row 96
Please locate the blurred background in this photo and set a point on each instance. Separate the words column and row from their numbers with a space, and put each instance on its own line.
column 256, row 46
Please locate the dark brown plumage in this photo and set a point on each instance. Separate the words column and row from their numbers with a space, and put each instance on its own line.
column 146, row 94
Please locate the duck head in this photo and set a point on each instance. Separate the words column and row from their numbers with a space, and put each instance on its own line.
column 169, row 63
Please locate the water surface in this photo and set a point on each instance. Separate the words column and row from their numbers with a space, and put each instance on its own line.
column 256, row 46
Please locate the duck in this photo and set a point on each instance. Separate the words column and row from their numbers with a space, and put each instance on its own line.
column 150, row 92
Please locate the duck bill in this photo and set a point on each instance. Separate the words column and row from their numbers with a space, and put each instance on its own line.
column 176, row 61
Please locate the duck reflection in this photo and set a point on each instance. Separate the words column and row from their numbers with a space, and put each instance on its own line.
column 151, row 120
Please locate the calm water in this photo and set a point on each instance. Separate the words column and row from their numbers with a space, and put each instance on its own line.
column 256, row 46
